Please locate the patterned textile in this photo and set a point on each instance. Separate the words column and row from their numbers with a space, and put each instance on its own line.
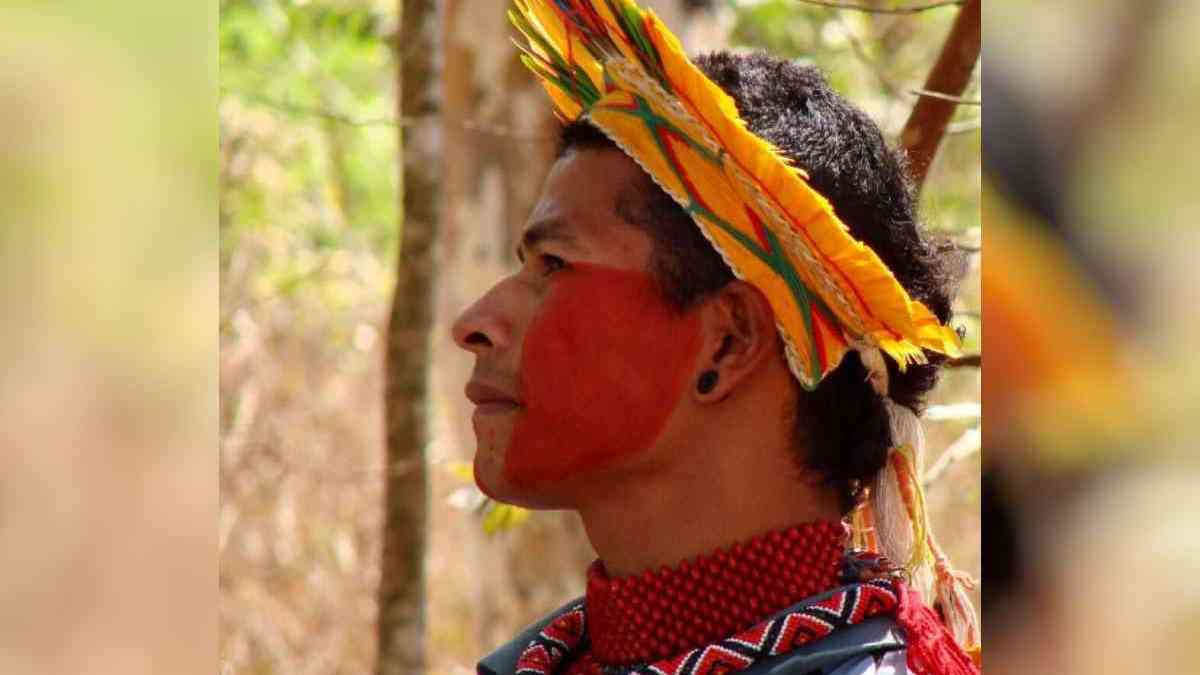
column 773, row 637
column 617, row 66
column 554, row 643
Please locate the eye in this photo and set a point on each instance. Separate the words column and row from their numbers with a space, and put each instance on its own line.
column 551, row 263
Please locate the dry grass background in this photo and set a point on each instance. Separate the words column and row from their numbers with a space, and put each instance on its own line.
column 301, row 471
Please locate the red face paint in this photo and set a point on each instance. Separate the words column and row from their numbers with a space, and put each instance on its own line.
column 602, row 368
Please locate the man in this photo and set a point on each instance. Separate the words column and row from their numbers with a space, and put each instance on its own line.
column 665, row 364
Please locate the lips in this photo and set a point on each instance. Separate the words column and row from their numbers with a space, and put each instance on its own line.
column 489, row 399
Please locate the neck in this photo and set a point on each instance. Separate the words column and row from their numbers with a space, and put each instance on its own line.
column 718, row 488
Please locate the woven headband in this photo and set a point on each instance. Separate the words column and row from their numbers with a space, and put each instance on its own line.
column 617, row 66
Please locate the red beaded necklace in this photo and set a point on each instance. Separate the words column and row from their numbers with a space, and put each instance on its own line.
column 654, row 615
column 669, row 621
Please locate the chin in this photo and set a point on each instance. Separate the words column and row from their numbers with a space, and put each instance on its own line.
column 489, row 472
column 491, row 479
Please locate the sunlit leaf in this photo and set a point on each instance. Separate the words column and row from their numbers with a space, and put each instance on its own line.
column 501, row 517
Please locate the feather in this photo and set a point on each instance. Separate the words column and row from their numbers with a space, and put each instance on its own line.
column 619, row 66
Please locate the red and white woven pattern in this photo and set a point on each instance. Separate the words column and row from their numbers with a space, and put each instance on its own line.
column 773, row 637
column 781, row 635
column 558, row 639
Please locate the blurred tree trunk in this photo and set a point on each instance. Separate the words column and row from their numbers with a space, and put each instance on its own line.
column 926, row 125
column 401, row 626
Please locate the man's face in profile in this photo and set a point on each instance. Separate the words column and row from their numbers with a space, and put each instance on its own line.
column 579, row 359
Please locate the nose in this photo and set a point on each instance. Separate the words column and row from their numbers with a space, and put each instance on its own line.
column 482, row 327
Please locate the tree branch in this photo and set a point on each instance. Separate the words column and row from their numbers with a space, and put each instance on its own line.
column 964, row 127
column 320, row 113
column 305, row 111
column 967, row 445
column 957, row 100
column 908, row 9
column 949, row 77
column 965, row 361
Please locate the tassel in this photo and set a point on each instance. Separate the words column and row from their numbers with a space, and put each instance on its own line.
column 930, row 649
column 903, row 461
column 951, row 588
column 899, row 521
column 899, row 518
column 862, row 528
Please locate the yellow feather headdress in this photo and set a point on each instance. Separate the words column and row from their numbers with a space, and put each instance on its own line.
column 617, row 66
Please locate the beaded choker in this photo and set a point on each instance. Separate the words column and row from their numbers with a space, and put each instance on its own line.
column 722, row 612
column 651, row 616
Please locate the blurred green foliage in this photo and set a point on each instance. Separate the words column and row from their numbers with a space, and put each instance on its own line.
column 308, row 143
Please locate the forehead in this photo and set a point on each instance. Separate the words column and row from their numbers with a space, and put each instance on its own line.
column 581, row 194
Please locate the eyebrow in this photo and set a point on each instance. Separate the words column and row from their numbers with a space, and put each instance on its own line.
column 551, row 229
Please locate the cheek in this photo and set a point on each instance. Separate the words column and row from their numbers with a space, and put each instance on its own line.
column 602, row 368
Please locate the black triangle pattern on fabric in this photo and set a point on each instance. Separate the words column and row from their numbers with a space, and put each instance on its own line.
column 779, row 635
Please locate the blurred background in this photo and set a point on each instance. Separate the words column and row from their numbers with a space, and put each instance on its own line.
column 1090, row 289
column 108, row 380
column 117, row 390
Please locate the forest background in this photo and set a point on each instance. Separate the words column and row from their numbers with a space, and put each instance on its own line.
column 310, row 214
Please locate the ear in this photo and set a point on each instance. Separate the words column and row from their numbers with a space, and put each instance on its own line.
column 739, row 337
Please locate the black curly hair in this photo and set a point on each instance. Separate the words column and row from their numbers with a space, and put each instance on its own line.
column 843, row 425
